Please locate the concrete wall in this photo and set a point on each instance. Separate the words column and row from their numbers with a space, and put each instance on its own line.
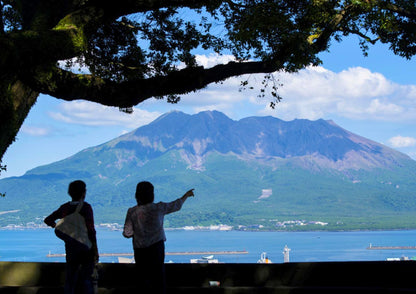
column 321, row 277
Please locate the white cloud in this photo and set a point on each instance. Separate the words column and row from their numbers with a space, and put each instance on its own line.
column 356, row 93
column 401, row 142
column 213, row 59
column 92, row 114
column 35, row 131
column 315, row 92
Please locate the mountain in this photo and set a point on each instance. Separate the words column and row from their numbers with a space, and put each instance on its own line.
column 258, row 171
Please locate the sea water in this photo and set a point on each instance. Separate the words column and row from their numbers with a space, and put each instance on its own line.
column 36, row 244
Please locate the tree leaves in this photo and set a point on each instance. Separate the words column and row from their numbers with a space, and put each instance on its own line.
column 134, row 50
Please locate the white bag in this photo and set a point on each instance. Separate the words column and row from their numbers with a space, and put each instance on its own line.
column 73, row 225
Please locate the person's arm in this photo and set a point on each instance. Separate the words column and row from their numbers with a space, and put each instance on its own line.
column 50, row 220
column 128, row 226
column 189, row 193
column 177, row 204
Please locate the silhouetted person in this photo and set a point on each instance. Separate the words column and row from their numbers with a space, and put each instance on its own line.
column 80, row 260
column 144, row 222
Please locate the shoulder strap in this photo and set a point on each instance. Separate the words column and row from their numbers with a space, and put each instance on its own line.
column 79, row 206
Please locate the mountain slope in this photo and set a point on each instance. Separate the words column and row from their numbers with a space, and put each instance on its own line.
column 255, row 171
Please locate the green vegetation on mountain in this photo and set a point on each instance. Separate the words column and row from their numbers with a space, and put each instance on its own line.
column 373, row 188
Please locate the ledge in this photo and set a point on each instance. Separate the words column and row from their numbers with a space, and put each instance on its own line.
column 317, row 277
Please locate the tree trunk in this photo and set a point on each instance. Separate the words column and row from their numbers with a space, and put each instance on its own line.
column 16, row 99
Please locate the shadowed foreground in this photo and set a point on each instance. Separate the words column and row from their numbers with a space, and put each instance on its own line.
column 318, row 277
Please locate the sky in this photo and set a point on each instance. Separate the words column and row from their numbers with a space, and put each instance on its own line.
column 373, row 96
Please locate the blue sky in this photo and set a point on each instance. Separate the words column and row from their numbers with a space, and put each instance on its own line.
column 372, row 96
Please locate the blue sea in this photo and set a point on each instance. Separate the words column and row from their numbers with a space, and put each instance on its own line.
column 35, row 244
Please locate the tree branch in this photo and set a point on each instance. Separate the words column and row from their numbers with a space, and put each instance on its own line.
column 399, row 10
column 321, row 40
column 69, row 86
column 126, row 7
column 365, row 37
column 28, row 49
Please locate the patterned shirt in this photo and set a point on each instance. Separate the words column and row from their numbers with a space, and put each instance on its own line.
column 145, row 222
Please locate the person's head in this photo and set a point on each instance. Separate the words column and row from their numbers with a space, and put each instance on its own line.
column 144, row 193
column 77, row 190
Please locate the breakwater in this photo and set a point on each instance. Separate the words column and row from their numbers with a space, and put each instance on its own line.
column 372, row 247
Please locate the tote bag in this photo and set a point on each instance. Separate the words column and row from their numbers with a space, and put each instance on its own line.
column 73, row 225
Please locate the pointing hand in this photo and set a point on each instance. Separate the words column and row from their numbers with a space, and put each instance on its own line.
column 190, row 193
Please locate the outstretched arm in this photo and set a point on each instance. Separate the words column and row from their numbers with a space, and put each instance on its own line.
column 177, row 204
column 189, row 193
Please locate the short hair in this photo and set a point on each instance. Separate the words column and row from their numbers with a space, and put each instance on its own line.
column 76, row 189
column 144, row 193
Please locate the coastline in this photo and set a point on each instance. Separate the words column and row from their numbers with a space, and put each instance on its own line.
column 223, row 228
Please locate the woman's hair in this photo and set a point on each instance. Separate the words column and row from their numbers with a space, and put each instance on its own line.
column 144, row 193
column 76, row 189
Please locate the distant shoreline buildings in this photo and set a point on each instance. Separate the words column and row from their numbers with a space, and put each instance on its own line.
column 220, row 227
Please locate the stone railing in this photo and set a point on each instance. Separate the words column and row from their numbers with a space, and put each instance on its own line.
column 379, row 277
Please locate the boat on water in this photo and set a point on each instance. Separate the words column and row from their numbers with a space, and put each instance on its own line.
column 205, row 259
